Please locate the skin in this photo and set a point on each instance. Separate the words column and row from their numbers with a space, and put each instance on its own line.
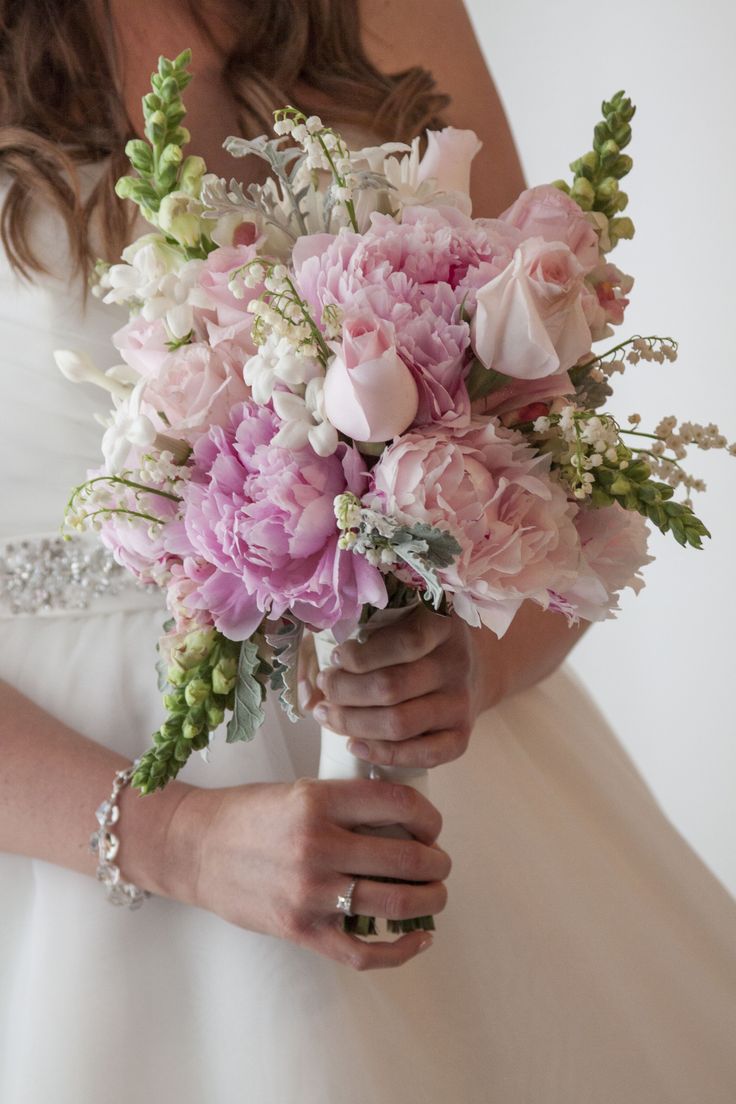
column 273, row 858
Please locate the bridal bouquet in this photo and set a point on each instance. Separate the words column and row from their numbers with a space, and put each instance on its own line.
column 342, row 395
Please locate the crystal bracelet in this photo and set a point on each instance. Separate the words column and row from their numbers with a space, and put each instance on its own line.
column 105, row 844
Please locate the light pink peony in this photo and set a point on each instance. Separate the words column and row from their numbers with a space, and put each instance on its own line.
column 448, row 158
column 548, row 213
column 195, row 388
column 259, row 525
column 614, row 550
column 529, row 321
column 485, row 486
column 369, row 393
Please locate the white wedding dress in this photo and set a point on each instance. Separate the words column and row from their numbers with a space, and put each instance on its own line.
column 586, row 955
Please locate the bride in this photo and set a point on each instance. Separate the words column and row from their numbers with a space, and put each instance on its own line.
column 583, row 953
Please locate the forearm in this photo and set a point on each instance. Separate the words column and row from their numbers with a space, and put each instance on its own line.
column 533, row 648
column 52, row 781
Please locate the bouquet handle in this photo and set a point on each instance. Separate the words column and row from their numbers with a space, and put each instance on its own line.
column 337, row 762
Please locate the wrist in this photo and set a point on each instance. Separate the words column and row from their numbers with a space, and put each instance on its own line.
column 152, row 850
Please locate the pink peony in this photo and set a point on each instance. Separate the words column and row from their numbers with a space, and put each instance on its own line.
column 195, row 388
column 485, row 486
column 262, row 518
column 548, row 213
column 513, row 397
column 369, row 393
column 529, row 321
column 614, row 549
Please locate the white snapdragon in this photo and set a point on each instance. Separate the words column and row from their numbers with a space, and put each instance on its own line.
column 158, row 280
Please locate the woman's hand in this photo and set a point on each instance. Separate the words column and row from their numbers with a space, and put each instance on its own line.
column 273, row 858
column 409, row 696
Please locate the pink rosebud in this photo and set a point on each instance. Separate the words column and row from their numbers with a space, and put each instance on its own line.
column 448, row 158
column 369, row 394
column 529, row 320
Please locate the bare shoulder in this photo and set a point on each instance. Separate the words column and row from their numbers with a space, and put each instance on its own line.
column 438, row 35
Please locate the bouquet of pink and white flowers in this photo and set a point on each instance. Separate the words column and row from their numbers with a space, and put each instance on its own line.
column 342, row 394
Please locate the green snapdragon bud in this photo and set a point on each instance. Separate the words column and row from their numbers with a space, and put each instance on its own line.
column 197, row 691
column 215, row 715
column 177, row 219
column 190, row 178
column 621, row 228
column 583, row 193
column 195, row 647
column 224, row 675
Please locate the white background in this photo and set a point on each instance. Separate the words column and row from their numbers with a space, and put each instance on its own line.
column 664, row 672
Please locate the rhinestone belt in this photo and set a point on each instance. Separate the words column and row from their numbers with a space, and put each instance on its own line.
column 50, row 575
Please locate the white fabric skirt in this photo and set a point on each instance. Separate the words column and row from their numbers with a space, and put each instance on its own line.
column 586, row 955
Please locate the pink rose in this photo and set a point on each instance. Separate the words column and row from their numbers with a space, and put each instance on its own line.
column 614, row 549
column 546, row 212
column 370, row 394
column 485, row 486
column 518, row 394
column 447, row 160
column 196, row 387
column 529, row 320
column 143, row 345
column 225, row 317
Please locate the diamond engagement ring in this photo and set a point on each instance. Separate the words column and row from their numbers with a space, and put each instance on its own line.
column 345, row 903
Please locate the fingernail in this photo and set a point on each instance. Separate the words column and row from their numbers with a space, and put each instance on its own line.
column 335, row 658
column 304, row 693
column 321, row 680
column 425, row 944
column 359, row 749
column 361, row 636
column 321, row 712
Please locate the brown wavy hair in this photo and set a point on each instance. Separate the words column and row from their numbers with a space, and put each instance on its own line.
column 61, row 108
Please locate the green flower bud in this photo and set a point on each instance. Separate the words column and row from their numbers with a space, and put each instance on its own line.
column 197, row 691
column 190, row 178
column 172, row 155
column 221, row 683
column 601, row 135
column 215, row 715
column 620, row 486
column 165, row 67
column 182, row 751
column 170, row 729
column 621, row 166
column 583, row 193
column 622, row 135
column 609, row 151
column 638, row 471
column 621, row 228
column 140, row 155
column 151, row 102
column 176, row 673
column 169, row 89
column 177, row 219
column 190, row 730
column 195, row 647
column 173, row 703
column 607, row 190
column 128, row 187
column 562, row 186
column 181, row 136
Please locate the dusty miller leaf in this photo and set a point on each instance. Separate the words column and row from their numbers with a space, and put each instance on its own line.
column 285, row 642
column 248, row 712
